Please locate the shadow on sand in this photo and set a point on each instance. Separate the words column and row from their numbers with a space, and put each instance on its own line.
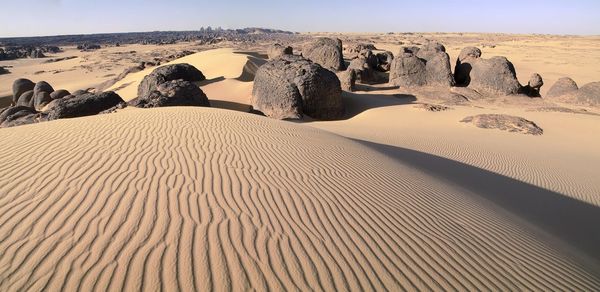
column 574, row 222
column 357, row 103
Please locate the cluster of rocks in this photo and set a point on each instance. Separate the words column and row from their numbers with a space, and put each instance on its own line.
column 171, row 85
column 367, row 65
column 88, row 47
column 290, row 86
column 37, row 102
column 566, row 89
column 20, row 52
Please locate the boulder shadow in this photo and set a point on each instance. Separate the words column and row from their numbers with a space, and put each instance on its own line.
column 356, row 103
column 572, row 221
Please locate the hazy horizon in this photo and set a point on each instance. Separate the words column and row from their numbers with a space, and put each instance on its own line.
column 112, row 16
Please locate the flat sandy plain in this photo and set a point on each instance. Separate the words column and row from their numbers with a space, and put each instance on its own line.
column 391, row 197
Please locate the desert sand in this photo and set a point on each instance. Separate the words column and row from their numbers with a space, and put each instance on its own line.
column 392, row 197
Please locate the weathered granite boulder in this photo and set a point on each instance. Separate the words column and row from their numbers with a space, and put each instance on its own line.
column 172, row 93
column 496, row 75
column 20, row 86
column 563, row 86
column 408, row 70
column 290, row 86
column 326, row 52
column 437, row 64
column 83, row 105
column 166, row 73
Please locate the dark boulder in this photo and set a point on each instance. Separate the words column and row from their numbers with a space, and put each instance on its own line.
column 326, row 52
column 563, row 86
column 166, row 73
column 532, row 89
column 42, row 86
column 354, row 50
column 348, row 80
column 589, row 94
column 20, row 86
column 83, row 105
column 277, row 50
column 172, row 93
column 408, row 70
column 290, row 86
column 3, row 71
column 17, row 115
column 41, row 99
column 496, row 75
column 26, row 99
column 437, row 64
column 463, row 65
column 58, row 94
column 385, row 59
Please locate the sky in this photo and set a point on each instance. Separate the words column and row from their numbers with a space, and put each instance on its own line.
column 58, row 17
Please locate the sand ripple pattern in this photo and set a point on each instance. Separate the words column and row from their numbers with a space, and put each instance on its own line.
column 185, row 199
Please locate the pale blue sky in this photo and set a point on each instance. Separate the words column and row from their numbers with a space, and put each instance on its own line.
column 51, row 17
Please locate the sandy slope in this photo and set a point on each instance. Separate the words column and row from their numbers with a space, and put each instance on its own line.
column 192, row 198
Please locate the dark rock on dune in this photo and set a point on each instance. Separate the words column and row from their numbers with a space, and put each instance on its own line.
column 3, row 71
column 277, row 50
column 42, row 86
column 463, row 65
column 290, row 86
column 326, row 52
column 589, row 94
column 563, row 86
column 17, row 115
column 58, row 94
column 172, row 93
column 83, row 105
column 408, row 70
column 26, row 99
column 437, row 64
column 496, row 75
column 41, row 99
column 532, row 89
column 385, row 61
column 505, row 123
column 348, row 80
column 166, row 73
column 20, row 86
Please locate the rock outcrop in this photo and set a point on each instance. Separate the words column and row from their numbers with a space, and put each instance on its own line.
column 290, row 86
column 172, row 93
column 505, row 123
column 166, row 73
column 326, row 52
column 83, row 105
column 408, row 70
column 278, row 50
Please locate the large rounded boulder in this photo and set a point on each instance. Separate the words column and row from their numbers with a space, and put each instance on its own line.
column 589, row 94
column 463, row 65
column 172, row 93
column 58, row 94
column 42, row 86
column 437, row 64
column 326, row 52
column 83, row 105
column 408, row 70
column 166, row 73
column 290, row 86
column 26, row 99
column 41, row 99
column 21, row 86
column 563, row 86
column 495, row 75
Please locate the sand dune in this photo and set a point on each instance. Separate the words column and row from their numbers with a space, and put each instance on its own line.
column 199, row 199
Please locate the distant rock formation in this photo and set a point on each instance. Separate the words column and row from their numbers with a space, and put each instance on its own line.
column 326, row 52
column 291, row 86
column 277, row 50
